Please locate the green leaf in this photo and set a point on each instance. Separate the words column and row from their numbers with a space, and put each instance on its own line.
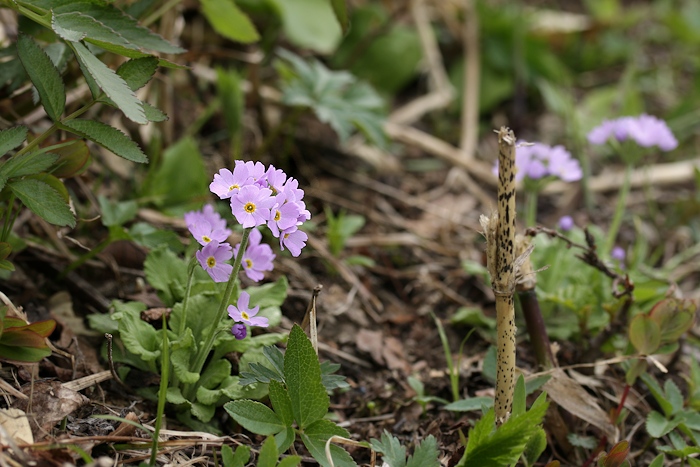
column 102, row 24
column 281, row 403
column 137, row 72
column 310, row 24
column 255, row 416
column 644, row 334
column 26, row 164
column 658, row 461
column 658, row 426
column 393, row 453
column 23, row 354
column 117, row 213
column 153, row 114
column 290, row 461
column 11, row 138
column 425, row 454
column 470, row 404
column 174, row 396
column 536, row 446
column 44, row 75
column 315, row 436
column 302, row 373
column 285, row 439
column 229, row 21
column 238, row 459
column 228, row 84
column 489, row 448
column 268, row 453
column 341, row 14
column 181, row 176
column 112, row 85
column 107, row 136
column 43, row 200
column 203, row 412
column 181, row 365
column 139, row 337
column 336, row 97
column 519, row 397
column 167, row 274
column 673, row 395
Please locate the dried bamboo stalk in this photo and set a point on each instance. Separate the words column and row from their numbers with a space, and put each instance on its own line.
column 499, row 231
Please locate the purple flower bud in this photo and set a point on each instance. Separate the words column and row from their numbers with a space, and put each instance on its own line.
column 239, row 331
column 566, row 223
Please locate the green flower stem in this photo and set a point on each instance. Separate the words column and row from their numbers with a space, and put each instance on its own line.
column 530, row 208
column 162, row 392
column 203, row 352
column 190, row 276
column 619, row 211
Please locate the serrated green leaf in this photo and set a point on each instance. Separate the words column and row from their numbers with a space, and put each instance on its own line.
column 425, row 454
column 102, row 23
column 138, row 72
column 281, row 403
column 302, row 372
column 11, row 138
column 27, row 164
column 657, row 425
column 315, row 436
column 536, row 446
column 108, row 137
column 43, row 200
column 229, row 21
column 268, row 453
column 488, row 448
column 153, row 114
column 673, row 395
column 238, row 459
column 44, row 76
column 255, row 416
column 112, row 84
column 393, row 453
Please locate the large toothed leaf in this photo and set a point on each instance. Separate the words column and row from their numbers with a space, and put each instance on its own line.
column 138, row 72
column 44, row 76
column 102, row 24
column 43, row 200
column 229, row 21
column 112, row 84
column 109, row 137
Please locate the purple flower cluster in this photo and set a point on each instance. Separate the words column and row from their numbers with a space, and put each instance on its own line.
column 645, row 130
column 536, row 161
column 209, row 229
column 265, row 196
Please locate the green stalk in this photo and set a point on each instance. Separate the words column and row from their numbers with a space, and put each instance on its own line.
column 530, row 208
column 454, row 371
column 9, row 219
column 619, row 211
column 162, row 392
column 203, row 352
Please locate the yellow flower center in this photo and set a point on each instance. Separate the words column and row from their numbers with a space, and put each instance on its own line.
column 278, row 215
column 248, row 263
column 211, row 261
column 245, row 315
column 249, row 208
column 206, row 239
column 233, row 187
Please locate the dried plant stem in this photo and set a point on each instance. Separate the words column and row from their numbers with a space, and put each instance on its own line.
column 499, row 231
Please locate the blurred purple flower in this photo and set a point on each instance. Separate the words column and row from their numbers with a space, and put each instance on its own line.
column 239, row 331
column 618, row 253
column 251, row 205
column 566, row 223
column 242, row 313
column 207, row 214
column 645, row 130
column 212, row 258
column 538, row 160
column 257, row 258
